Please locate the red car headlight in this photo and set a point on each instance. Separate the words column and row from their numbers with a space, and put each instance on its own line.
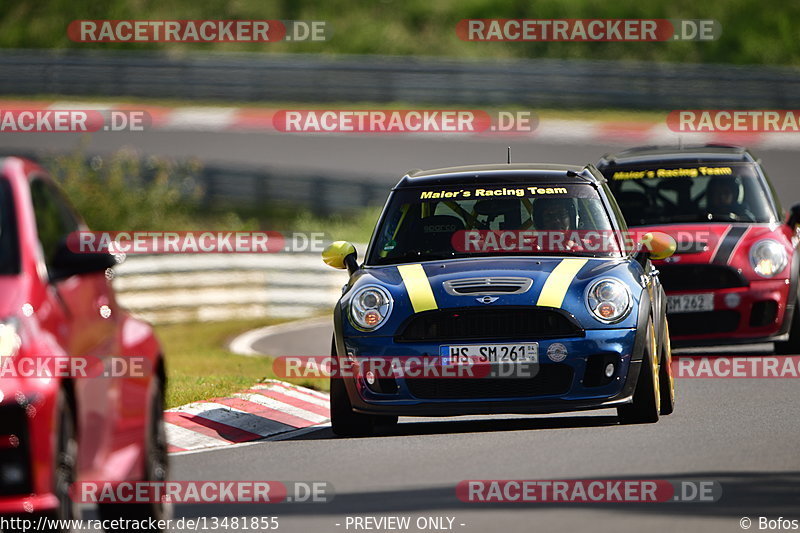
column 768, row 257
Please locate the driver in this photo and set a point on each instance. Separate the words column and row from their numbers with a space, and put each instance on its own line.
column 723, row 196
column 556, row 215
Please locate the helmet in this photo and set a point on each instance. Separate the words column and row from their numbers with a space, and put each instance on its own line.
column 721, row 183
column 542, row 207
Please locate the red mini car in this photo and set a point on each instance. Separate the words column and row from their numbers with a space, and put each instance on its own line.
column 733, row 277
column 60, row 425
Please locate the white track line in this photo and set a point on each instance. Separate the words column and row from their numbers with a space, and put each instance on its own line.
column 283, row 407
column 190, row 440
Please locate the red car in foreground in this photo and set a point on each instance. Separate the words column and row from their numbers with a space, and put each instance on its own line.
column 734, row 275
column 96, row 419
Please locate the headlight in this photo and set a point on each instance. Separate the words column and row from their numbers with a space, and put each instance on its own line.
column 9, row 340
column 609, row 300
column 768, row 257
column 370, row 307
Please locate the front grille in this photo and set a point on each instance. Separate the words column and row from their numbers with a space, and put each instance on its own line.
column 703, row 322
column 552, row 379
column 489, row 285
column 698, row 277
column 498, row 323
column 14, row 445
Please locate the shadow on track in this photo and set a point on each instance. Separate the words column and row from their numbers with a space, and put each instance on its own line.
column 743, row 494
column 435, row 426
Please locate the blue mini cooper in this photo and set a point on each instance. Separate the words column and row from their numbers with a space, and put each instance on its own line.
column 500, row 289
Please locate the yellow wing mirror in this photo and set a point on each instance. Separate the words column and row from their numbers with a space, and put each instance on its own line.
column 658, row 245
column 341, row 254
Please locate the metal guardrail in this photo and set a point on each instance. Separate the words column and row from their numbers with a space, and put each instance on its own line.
column 316, row 78
column 208, row 287
column 257, row 186
column 245, row 186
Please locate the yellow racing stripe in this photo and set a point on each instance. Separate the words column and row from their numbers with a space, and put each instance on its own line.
column 418, row 287
column 558, row 282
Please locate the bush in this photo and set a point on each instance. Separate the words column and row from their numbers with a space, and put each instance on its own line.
column 125, row 192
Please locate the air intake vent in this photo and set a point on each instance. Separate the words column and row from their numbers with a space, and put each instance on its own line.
column 494, row 285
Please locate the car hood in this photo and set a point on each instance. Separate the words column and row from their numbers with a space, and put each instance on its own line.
column 721, row 244
column 555, row 282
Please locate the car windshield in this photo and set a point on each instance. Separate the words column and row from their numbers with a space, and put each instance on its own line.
column 9, row 249
column 669, row 194
column 422, row 224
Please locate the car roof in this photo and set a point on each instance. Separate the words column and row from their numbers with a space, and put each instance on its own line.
column 679, row 154
column 501, row 173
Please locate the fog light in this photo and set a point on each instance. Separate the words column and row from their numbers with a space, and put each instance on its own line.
column 609, row 370
column 370, row 376
column 12, row 474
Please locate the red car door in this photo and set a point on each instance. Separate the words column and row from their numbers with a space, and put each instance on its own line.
column 86, row 333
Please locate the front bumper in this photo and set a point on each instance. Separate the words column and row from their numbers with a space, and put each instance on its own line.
column 571, row 384
column 26, row 445
column 760, row 312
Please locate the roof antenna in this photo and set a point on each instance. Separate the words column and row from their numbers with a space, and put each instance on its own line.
column 680, row 142
column 509, row 155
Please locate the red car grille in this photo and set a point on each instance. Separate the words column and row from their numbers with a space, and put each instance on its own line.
column 699, row 277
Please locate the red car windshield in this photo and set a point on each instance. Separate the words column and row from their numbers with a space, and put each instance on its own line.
column 667, row 194
column 9, row 247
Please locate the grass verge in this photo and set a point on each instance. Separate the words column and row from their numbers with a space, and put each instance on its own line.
column 200, row 366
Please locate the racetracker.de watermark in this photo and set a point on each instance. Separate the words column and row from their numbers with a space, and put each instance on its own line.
column 202, row 492
column 492, row 363
column 27, row 366
column 604, row 241
column 39, row 366
column 193, row 242
column 726, row 367
column 37, row 120
column 734, row 121
column 587, row 491
column 588, row 30
column 403, row 121
column 197, row 31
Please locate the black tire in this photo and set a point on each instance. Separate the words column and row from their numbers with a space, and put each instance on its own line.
column 66, row 461
column 647, row 397
column 666, row 379
column 344, row 421
column 156, row 466
column 791, row 346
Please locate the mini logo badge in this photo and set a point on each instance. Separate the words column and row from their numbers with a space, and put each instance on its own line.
column 487, row 299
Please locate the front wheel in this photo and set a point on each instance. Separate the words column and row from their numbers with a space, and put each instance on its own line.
column 647, row 396
column 66, row 462
column 344, row 421
column 665, row 377
column 791, row 346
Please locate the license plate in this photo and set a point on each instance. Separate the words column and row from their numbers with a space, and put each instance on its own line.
column 687, row 303
column 466, row 354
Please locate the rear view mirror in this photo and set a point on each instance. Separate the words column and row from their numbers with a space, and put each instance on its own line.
column 658, row 245
column 341, row 254
column 66, row 263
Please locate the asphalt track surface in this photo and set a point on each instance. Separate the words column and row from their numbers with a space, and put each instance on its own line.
column 742, row 433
